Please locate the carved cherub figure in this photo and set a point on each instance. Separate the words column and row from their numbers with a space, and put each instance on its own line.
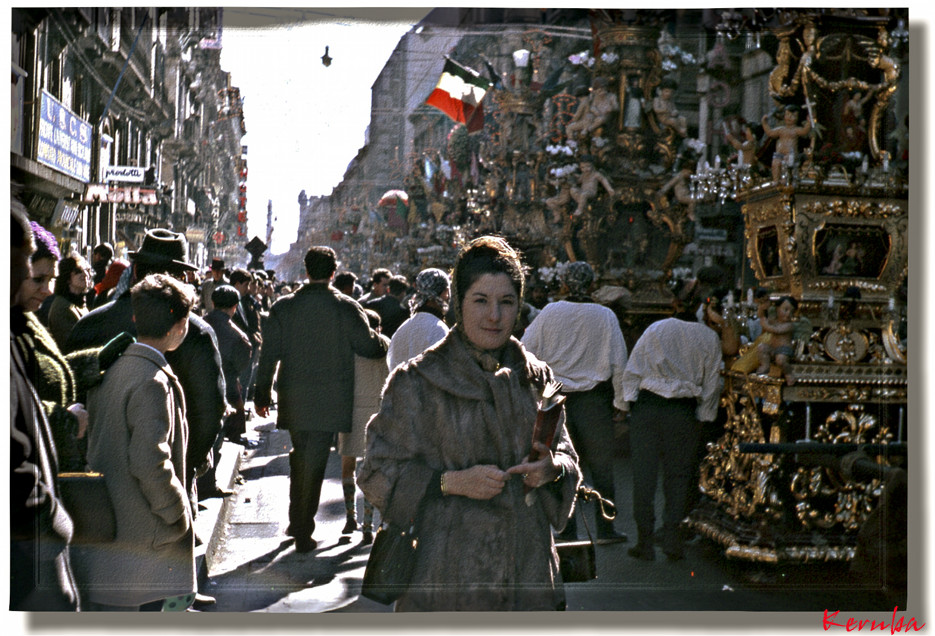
column 787, row 139
column 779, row 348
column 558, row 203
column 587, row 185
column 664, row 108
column 593, row 111
column 742, row 139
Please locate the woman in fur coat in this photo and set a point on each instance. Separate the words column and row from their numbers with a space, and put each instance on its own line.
column 449, row 452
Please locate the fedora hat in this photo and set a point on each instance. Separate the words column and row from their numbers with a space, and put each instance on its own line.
column 162, row 247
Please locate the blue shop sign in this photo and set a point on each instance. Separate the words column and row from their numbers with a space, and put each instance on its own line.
column 64, row 140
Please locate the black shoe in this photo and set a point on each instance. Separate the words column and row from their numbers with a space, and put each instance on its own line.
column 350, row 526
column 368, row 538
column 202, row 601
column 304, row 545
column 612, row 536
column 642, row 552
column 674, row 553
column 216, row 492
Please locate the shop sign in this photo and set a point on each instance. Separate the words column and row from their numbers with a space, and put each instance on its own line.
column 64, row 139
column 129, row 174
column 195, row 236
column 102, row 193
column 718, row 235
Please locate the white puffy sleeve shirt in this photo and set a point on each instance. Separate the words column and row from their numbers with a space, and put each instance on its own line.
column 583, row 344
column 677, row 359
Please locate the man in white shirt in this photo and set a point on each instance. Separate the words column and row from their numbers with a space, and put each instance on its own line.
column 673, row 380
column 581, row 340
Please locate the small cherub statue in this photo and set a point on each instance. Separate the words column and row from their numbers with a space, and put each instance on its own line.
column 593, row 111
column 745, row 147
column 664, row 107
column 779, row 348
column 587, row 185
column 557, row 203
column 787, row 139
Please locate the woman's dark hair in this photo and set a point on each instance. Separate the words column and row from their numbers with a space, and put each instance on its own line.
column 485, row 255
column 159, row 302
column 792, row 301
column 66, row 267
column 373, row 318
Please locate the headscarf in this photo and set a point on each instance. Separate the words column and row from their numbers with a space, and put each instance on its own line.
column 578, row 277
column 46, row 245
column 429, row 285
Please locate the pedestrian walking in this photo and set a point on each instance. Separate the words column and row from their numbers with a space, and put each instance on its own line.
column 247, row 317
column 379, row 280
column 426, row 326
column 673, row 382
column 138, row 439
column 582, row 342
column 390, row 305
column 215, row 279
column 449, row 452
column 235, row 349
column 309, row 341
column 369, row 377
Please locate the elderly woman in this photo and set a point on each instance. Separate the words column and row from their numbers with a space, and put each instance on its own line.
column 71, row 287
column 426, row 325
column 449, row 452
column 52, row 374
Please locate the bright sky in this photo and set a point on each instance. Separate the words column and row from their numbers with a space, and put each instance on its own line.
column 305, row 122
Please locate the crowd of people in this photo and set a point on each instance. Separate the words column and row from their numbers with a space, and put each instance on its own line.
column 428, row 390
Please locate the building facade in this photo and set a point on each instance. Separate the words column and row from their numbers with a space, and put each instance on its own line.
column 122, row 120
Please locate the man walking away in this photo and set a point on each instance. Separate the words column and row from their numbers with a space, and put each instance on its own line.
column 312, row 336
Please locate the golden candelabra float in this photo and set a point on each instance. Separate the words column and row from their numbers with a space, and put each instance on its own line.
column 776, row 485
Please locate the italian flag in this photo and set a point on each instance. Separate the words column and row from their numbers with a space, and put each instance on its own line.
column 458, row 94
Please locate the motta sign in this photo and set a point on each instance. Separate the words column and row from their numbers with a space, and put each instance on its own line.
column 130, row 174
column 103, row 193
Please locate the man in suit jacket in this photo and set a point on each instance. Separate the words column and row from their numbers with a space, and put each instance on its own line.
column 312, row 335
column 390, row 305
column 196, row 362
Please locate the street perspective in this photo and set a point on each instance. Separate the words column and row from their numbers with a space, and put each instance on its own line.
column 506, row 311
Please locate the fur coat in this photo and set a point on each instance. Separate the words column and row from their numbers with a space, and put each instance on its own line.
column 442, row 411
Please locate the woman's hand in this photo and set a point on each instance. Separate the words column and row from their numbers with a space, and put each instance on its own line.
column 477, row 482
column 79, row 412
column 539, row 472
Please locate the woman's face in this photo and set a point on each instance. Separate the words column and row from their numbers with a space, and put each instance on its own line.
column 79, row 281
column 489, row 311
column 38, row 286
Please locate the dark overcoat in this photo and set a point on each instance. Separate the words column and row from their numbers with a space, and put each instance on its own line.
column 197, row 363
column 312, row 336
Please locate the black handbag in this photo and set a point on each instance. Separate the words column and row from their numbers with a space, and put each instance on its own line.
column 88, row 503
column 391, row 563
column 576, row 559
